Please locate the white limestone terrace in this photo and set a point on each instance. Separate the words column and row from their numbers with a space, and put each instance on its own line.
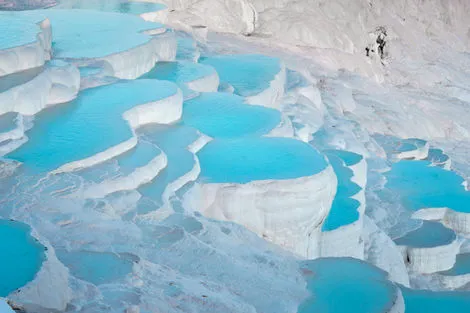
column 59, row 82
column 303, row 104
column 153, row 12
column 342, row 229
column 134, row 168
column 459, row 275
column 431, row 193
column 12, row 129
column 409, row 148
column 187, row 49
column 191, row 77
column 130, row 104
column 25, row 42
column 258, row 78
column 100, row 39
column 180, row 143
column 255, row 171
column 430, row 248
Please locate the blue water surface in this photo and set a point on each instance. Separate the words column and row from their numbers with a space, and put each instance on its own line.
column 422, row 185
column 117, row 6
column 430, row 234
column 179, row 72
column 20, row 254
column 18, row 29
column 344, row 209
column 346, row 285
column 88, row 125
column 222, row 115
column 249, row 74
column 173, row 140
column 97, row 267
column 461, row 266
column 101, row 35
column 425, row 301
column 258, row 158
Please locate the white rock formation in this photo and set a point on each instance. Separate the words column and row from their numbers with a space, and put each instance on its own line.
column 49, row 289
column 164, row 111
column 208, row 83
column 137, row 61
column 381, row 251
column 29, row 55
column 138, row 177
column 58, row 83
column 286, row 212
column 457, row 221
column 431, row 260
column 271, row 96
column 347, row 240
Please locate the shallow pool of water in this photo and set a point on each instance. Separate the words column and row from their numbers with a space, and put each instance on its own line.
column 346, row 285
column 344, row 209
column 88, row 125
column 424, row 301
column 222, row 115
column 97, row 267
column 21, row 256
column 100, row 36
column 461, row 266
column 430, row 234
column 258, row 158
column 248, row 74
column 117, row 6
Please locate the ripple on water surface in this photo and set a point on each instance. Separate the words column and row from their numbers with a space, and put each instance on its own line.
column 222, row 115
column 21, row 256
column 258, row 158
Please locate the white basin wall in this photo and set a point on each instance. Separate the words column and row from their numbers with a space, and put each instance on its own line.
column 29, row 55
column 286, row 212
column 137, row 61
column 272, row 96
column 430, row 260
column 50, row 287
column 163, row 111
column 56, row 84
column 345, row 241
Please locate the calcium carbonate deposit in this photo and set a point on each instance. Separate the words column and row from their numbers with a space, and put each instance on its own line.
column 245, row 156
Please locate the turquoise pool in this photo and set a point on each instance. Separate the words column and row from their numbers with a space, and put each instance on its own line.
column 97, row 267
column 88, row 125
column 249, row 74
column 430, row 234
column 258, row 158
column 344, row 209
column 21, row 256
column 346, row 285
column 222, row 115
